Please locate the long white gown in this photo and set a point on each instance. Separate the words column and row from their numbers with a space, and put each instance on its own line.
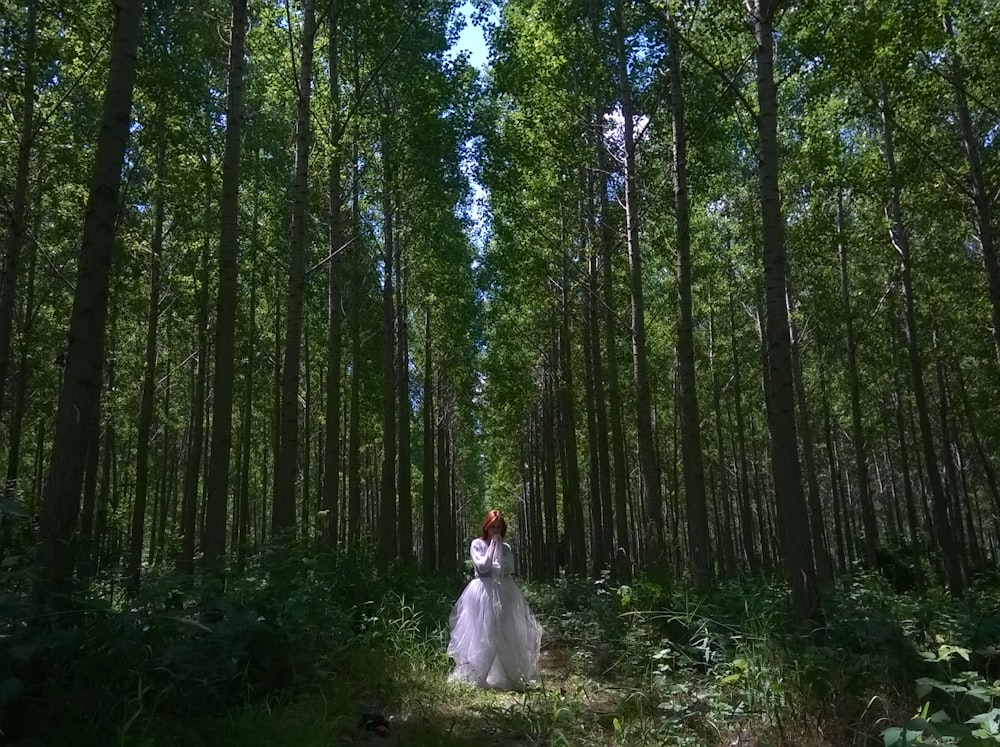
column 495, row 639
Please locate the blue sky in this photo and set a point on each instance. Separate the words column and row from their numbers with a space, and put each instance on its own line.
column 471, row 40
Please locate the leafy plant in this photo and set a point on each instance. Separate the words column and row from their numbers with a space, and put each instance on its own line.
column 960, row 708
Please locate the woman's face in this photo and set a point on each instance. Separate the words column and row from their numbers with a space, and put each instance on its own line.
column 494, row 528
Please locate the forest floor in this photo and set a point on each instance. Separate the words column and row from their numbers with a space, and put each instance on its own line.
column 330, row 657
column 576, row 703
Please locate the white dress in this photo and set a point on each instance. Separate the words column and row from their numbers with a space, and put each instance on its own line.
column 495, row 640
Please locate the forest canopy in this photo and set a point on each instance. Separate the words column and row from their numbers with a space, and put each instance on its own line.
column 697, row 293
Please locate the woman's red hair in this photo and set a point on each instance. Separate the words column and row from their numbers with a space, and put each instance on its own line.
column 491, row 517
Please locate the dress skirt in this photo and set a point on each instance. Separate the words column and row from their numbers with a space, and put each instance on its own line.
column 495, row 639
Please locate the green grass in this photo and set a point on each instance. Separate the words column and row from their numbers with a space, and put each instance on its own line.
column 296, row 652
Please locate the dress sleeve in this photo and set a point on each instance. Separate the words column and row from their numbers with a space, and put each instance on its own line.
column 508, row 560
column 482, row 556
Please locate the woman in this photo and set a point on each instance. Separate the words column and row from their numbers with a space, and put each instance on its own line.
column 495, row 640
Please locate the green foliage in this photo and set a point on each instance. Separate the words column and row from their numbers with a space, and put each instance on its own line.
column 110, row 673
column 299, row 647
column 959, row 706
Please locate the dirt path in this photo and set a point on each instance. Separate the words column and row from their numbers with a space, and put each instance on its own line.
column 566, row 704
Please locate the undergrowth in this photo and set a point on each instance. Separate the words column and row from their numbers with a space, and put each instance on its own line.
column 299, row 648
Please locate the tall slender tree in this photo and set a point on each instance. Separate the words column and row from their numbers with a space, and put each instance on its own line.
column 286, row 469
column 80, row 394
column 217, row 484
column 780, row 399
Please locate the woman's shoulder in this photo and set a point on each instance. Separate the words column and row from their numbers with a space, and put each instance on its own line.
column 478, row 542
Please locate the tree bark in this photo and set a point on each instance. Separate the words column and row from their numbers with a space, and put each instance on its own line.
column 11, row 268
column 780, row 396
column 388, row 538
column 429, row 554
column 754, row 562
column 982, row 198
column 405, row 476
column 146, row 401
column 699, row 543
column 27, row 324
column 944, row 533
column 79, row 397
column 445, row 518
column 196, row 427
column 817, row 523
column 335, row 302
column 623, row 545
column 354, row 418
column 217, row 487
column 286, row 469
column 857, row 422
column 655, row 558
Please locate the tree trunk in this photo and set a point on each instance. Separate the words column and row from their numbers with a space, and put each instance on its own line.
column 10, row 270
column 106, row 495
column 964, row 534
column 196, row 428
column 335, row 311
column 147, row 398
column 723, row 492
column 243, row 526
column 817, row 523
column 551, row 541
column 445, row 518
column 354, row 442
column 576, row 537
column 405, row 411
column 79, row 398
column 983, row 196
column 780, row 395
column 623, row 546
column 217, row 487
column 743, row 482
column 655, row 558
column 602, row 517
column 950, row 552
column 10, row 490
column 857, row 423
column 912, row 519
column 429, row 533
column 388, row 539
column 843, row 559
column 699, row 546
column 286, row 469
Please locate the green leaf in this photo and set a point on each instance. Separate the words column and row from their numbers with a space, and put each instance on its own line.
column 899, row 737
column 989, row 723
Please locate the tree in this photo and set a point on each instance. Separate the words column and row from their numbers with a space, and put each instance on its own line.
column 10, row 270
column 655, row 559
column 286, row 469
column 80, row 394
column 217, row 485
column 792, row 513
column 694, row 471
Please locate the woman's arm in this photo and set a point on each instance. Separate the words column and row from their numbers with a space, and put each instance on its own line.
column 483, row 553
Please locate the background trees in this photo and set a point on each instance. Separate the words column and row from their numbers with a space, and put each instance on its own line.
column 720, row 308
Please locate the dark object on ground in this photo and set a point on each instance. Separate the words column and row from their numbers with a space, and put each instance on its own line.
column 375, row 722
